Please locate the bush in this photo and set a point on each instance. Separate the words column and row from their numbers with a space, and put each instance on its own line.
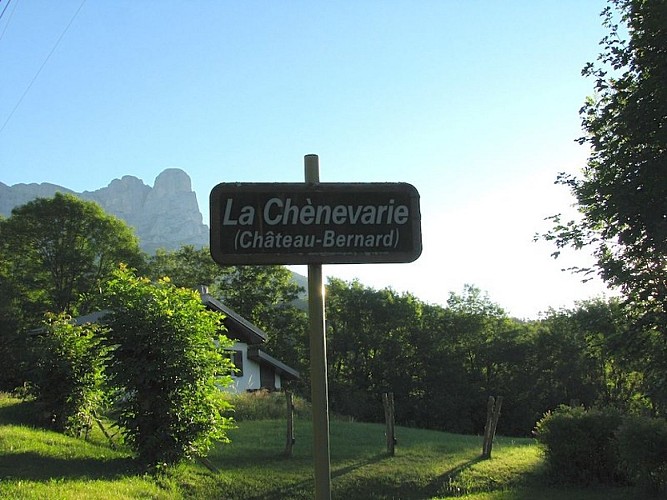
column 168, row 360
column 580, row 445
column 67, row 377
column 642, row 445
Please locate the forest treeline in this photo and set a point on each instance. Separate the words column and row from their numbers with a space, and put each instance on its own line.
column 440, row 361
column 443, row 362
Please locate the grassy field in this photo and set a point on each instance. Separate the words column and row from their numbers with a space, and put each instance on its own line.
column 37, row 464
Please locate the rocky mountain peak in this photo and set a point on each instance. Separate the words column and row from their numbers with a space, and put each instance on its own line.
column 164, row 216
column 172, row 180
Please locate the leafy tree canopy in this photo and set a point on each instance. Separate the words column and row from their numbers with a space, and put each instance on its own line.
column 255, row 291
column 56, row 250
column 187, row 267
column 622, row 192
column 67, row 372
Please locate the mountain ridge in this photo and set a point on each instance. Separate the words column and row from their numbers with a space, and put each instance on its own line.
column 165, row 215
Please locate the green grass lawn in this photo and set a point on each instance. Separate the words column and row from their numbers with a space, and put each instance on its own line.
column 37, row 464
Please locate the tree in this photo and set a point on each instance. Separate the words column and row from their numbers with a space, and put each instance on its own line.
column 11, row 342
column 448, row 395
column 187, row 267
column 266, row 296
column 169, row 364
column 58, row 250
column 489, row 346
column 605, row 325
column 371, row 348
column 622, row 192
column 255, row 291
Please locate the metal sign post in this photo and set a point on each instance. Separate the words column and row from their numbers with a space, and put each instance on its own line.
column 315, row 223
column 318, row 362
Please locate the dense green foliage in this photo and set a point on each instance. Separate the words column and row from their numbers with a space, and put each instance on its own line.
column 622, row 192
column 54, row 255
column 642, row 448
column 580, row 444
column 67, row 372
column 452, row 358
column 604, row 446
column 168, row 364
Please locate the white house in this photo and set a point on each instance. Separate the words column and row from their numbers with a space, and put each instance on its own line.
column 256, row 368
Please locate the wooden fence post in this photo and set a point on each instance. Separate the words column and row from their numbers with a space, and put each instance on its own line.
column 492, row 415
column 494, row 422
column 486, row 449
column 290, row 424
column 388, row 403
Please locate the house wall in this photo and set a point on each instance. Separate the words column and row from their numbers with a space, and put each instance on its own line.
column 250, row 379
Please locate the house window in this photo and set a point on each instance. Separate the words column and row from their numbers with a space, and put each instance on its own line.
column 267, row 378
column 237, row 360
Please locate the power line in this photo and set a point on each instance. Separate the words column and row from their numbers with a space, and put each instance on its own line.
column 53, row 49
column 10, row 17
column 3, row 10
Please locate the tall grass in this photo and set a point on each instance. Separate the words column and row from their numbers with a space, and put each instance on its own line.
column 265, row 405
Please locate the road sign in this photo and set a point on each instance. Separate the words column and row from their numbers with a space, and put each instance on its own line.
column 304, row 223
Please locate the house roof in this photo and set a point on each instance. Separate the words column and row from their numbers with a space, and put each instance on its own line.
column 238, row 327
column 243, row 330
column 256, row 354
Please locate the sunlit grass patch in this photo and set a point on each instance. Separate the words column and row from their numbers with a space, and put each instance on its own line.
column 36, row 463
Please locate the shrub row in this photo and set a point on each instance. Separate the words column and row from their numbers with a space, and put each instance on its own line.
column 603, row 445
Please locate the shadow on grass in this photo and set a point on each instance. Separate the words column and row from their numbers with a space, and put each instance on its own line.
column 226, row 460
column 36, row 467
column 445, row 484
column 304, row 489
column 21, row 413
column 378, row 488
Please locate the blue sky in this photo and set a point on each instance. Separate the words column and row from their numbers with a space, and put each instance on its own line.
column 473, row 102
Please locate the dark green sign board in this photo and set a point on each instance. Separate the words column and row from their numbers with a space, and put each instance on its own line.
column 326, row 223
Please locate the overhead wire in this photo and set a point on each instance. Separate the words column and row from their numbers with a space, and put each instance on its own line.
column 5, row 8
column 11, row 15
column 34, row 78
